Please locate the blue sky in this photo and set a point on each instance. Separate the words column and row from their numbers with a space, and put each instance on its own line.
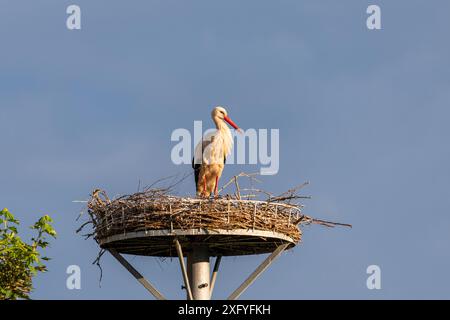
column 363, row 115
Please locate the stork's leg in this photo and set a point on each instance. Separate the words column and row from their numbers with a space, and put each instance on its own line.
column 216, row 188
column 204, row 186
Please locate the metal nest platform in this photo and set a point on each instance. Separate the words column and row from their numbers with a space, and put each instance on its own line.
column 160, row 243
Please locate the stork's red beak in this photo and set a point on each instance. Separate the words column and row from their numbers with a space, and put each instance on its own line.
column 234, row 125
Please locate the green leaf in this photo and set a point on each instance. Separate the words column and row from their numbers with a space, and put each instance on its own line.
column 9, row 216
column 13, row 229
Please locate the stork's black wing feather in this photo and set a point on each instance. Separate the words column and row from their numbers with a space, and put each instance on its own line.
column 196, row 167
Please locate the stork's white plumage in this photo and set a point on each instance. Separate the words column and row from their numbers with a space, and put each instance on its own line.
column 211, row 152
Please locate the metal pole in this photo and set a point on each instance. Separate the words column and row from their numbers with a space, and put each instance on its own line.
column 255, row 274
column 198, row 266
column 183, row 269
column 214, row 275
column 137, row 275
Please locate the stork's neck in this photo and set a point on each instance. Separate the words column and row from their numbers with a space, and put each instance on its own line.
column 225, row 132
column 221, row 125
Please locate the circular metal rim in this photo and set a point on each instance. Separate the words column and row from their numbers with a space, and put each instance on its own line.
column 271, row 238
column 196, row 232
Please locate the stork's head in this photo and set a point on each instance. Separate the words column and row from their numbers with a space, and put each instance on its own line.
column 219, row 114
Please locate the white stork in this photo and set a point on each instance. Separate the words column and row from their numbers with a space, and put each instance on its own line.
column 211, row 152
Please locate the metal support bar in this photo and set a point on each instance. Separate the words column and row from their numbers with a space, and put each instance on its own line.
column 139, row 277
column 261, row 268
column 214, row 274
column 183, row 269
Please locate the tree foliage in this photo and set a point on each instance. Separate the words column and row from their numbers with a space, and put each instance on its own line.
column 20, row 261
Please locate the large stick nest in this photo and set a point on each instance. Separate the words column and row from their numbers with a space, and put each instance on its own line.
column 156, row 209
